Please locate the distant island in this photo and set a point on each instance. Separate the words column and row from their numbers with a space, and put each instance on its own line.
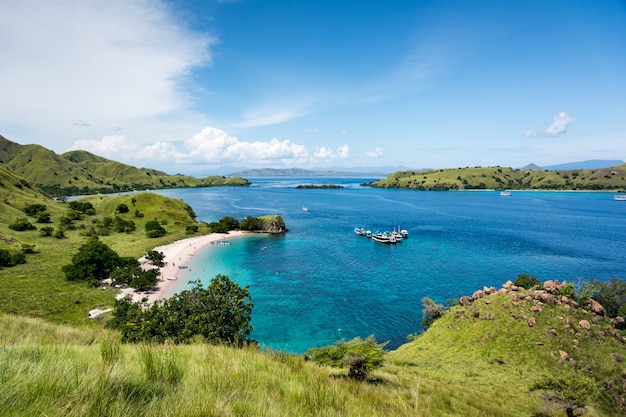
column 501, row 178
column 307, row 186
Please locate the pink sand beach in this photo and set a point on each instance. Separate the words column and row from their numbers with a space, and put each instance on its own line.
column 176, row 254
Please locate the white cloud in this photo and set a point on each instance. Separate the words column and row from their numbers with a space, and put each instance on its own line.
column 325, row 153
column 104, row 61
column 560, row 123
column 216, row 146
column 375, row 154
column 558, row 126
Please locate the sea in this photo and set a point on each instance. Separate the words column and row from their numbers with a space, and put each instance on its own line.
column 320, row 282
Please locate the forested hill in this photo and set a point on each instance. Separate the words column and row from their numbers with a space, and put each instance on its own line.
column 501, row 178
column 81, row 172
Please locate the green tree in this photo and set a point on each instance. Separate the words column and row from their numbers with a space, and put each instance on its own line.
column 21, row 224
column 46, row 231
column 155, row 257
column 93, row 262
column 43, row 217
column 361, row 356
column 219, row 313
column 154, row 229
column 121, row 208
column 251, row 223
column 526, row 281
column 33, row 209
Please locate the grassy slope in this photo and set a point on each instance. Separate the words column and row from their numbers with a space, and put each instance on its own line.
column 507, row 178
column 39, row 288
column 461, row 366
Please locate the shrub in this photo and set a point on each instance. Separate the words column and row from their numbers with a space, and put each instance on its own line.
column 121, row 208
column 361, row 356
column 526, row 281
column 431, row 311
column 21, row 224
column 154, row 229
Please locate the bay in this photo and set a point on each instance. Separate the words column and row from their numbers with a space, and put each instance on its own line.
column 319, row 282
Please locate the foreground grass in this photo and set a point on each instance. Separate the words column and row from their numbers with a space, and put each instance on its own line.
column 463, row 365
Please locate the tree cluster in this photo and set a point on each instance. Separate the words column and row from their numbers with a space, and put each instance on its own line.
column 95, row 261
column 220, row 313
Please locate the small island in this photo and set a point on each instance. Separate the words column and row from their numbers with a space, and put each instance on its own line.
column 309, row 186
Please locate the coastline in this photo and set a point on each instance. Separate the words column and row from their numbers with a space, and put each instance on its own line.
column 175, row 254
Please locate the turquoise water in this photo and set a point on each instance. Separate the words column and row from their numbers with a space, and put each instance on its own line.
column 320, row 282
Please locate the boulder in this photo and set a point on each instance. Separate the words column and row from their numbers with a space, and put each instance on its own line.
column 465, row 300
column 584, row 324
column 552, row 286
column 532, row 322
column 545, row 297
column 618, row 357
column 478, row 294
column 508, row 284
column 619, row 323
column 596, row 308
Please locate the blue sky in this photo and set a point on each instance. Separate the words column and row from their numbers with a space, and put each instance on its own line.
column 213, row 86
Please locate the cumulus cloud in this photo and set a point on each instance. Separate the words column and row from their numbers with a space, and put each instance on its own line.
column 326, row 153
column 210, row 146
column 215, row 145
column 106, row 61
column 558, row 126
column 378, row 152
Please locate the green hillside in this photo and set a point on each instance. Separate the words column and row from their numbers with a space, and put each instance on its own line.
column 481, row 359
column 82, row 173
column 500, row 178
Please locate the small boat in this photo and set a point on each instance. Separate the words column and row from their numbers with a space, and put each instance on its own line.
column 172, row 278
column 404, row 233
column 264, row 247
column 505, row 193
column 305, row 209
column 384, row 237
column 619, row 198
column 359, row 231
column 182, row 267
column 368, row 234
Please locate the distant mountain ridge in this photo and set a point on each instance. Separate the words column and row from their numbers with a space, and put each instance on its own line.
column 81, row 172
column 588, row 164
column 299, row 172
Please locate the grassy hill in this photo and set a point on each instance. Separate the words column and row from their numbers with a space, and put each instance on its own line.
column 39, row 288
column 81, row 172
column 480, row 359
column 500, row 178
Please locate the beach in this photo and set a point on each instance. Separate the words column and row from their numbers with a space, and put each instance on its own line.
column 176, row 254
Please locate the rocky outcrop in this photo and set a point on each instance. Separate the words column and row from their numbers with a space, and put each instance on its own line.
column 273, row 224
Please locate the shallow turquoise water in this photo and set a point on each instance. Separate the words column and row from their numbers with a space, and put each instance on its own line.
column 320, row 282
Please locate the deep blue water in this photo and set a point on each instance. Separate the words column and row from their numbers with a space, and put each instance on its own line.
column 320, row 282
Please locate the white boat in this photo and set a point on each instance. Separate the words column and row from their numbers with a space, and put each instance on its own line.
column 305, row 209
column 359, row 231
column 505, row 193
column 368, row 233
column 384, row 237
column 619, row 198
column 404, row 233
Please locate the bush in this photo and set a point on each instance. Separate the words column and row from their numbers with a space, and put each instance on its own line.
column 121, row 208
column 431, row 311
column 361, row 356
column 21, row 224
column 526, row 281
column 154, row 229
column 611, row 294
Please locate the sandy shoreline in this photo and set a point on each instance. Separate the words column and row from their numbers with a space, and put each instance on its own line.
column 176, row 254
